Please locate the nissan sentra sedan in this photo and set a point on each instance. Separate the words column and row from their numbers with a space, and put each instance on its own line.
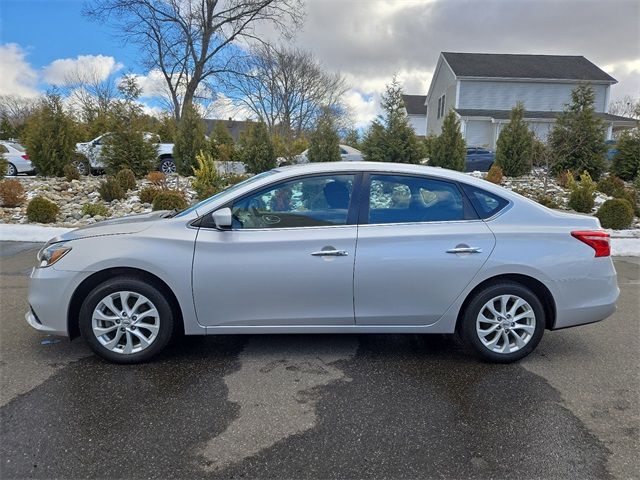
column 330, row 248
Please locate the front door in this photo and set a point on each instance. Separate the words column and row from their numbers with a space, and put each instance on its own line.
column 419, row 245
column 288, row 260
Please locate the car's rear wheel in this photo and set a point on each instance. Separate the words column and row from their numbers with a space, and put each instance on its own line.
column 504, row 322
column 12, row 171
column 167, row 165
column 126, row 320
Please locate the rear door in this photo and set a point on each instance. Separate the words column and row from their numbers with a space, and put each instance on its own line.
column 419, row 245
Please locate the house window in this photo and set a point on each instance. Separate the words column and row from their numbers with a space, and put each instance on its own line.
column 441, row 101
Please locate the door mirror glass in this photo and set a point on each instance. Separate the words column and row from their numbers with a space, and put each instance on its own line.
column 222, row 218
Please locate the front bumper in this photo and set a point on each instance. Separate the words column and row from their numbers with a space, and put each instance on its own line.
column 50, row 293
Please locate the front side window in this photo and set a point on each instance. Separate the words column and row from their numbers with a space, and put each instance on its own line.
column 306, row 202
column 400, row 199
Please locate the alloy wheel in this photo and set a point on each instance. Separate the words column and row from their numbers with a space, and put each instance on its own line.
column 11, row 170
column 168, row 166
column 125, row 322
column 505, row 324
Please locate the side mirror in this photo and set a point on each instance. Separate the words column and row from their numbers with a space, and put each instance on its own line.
column 222, row 218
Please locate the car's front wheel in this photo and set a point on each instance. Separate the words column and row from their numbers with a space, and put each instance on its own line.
column 126, row 320
column 504, row 322
column 167, row 166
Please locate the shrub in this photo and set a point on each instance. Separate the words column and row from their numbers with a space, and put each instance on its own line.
column 169, row 200
column 581, row 200
column 127, row 148
column 626, row 163
column 494, row 175
column 70, row 172
column 208, row 181
column 547, row 201
column 616, row 214
column 233, row 178
column 4, row 166
column 611, row 185
column 11, row 193
column 514, row 146
column 127, row 179
column 324, row 145
column 147, row 194
column 42, row 210
column 51, row 136
column 565, row 179
column 95, row 209
column 110, row 189
column 157, row 178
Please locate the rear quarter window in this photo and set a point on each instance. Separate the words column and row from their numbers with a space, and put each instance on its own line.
column 485, row 203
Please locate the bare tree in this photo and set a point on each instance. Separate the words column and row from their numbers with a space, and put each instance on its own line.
column 286, row 88
column 626, row 106
column 190, row 41
column 90, row 92
column 16, row 109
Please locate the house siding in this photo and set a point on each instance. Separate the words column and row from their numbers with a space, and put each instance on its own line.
column 419, row 124
column 479, row 133
column 445, row 83
column 536, row 96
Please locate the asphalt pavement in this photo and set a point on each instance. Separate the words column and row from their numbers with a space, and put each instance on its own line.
column 320, row 406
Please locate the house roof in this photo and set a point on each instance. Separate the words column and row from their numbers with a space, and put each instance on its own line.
column 235, row 127
column 414, row 104
column 530, row 114
column 551, row 67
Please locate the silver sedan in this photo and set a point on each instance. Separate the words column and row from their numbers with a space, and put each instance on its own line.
column 330, row 248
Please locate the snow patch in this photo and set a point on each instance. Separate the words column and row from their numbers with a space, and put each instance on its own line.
column 10, row 232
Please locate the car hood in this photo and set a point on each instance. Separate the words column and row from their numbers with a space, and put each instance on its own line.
column 115, row 226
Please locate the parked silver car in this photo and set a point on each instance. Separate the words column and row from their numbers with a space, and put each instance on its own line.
column 330, row 248
column 17, row 158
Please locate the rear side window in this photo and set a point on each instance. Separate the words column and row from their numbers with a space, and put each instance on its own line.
column 400, row 199
column 486, row 204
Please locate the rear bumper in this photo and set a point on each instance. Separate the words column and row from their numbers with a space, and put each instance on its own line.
column 588, row 299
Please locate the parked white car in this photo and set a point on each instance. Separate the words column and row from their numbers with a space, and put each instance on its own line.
column 17, row 157
column 92, row 152
column 347, row 154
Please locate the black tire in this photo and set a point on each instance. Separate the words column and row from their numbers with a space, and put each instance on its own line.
column 12, row 171
column 468, row 321
column 132, row 284
column 167, row 165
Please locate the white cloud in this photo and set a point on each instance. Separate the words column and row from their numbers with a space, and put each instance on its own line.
column 17, row 78
column 628, row 76
column 65, row 71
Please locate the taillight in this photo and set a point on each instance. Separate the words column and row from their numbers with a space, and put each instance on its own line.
column 596, row 239
column 25, row 156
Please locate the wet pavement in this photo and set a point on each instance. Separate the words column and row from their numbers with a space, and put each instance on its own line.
column 320, row 406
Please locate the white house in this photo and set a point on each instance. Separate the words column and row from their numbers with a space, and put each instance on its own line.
column 416, row 108
column 483, row 88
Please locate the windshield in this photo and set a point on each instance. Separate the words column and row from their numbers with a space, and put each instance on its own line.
column 204, row 203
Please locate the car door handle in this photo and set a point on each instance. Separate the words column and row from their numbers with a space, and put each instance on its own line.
column 330, row 253
column 465, row 250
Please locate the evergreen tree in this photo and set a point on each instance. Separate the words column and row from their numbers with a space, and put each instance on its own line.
column 324, row 145
column 391, row 138
column 577, row 139
column 626, row 163
column 127, row 146
column 352, row 138
column 7, row 132
column 256, row 150
column 190, row 140
column 221, row 142
column 515, row 143
column 51, row 136
column 449, row 150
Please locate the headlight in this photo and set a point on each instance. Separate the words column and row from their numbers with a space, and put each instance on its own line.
column 50, row 254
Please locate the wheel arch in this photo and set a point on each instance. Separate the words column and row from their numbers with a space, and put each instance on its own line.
column 99, row 277
column 539, row 288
